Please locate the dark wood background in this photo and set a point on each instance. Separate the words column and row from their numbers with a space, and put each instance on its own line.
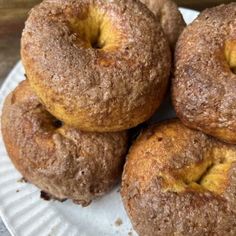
column 12, row 16
column 14, row 12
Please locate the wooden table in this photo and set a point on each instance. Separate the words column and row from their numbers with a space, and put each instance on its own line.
column 12, row 16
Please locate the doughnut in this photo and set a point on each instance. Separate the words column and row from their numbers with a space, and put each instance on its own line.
column 179, row 181
column 62, row 161
column 171, row 19
column 203, row 88
column 96, row 65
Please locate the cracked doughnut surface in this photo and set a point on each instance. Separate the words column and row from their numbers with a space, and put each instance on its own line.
column 179, row 181
column 96, row 65
column 204, row 85
column 62, row 161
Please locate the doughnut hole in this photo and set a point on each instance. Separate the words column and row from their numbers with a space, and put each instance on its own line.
column 95, row 30
column 57, row 124
column 46, row 120
column 230, row 54
column 210, row 174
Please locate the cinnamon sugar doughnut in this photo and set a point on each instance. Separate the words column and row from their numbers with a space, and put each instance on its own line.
column 62, row 161
column 179, row 181
column 205, row 82
column 96, row 65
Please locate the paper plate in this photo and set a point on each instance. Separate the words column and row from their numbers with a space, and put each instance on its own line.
column 26, row 214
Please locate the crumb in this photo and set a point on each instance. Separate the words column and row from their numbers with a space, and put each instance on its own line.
column 130, row 233
column 17, row 190
column 45, row 196
column 81, row 202
column 118, row 190
column 118, row 222
column 22, row 180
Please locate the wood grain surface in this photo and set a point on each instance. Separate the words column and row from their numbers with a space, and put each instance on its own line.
column 12, row 16
column 201, row 4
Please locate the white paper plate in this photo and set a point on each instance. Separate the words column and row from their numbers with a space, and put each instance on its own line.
column 26, row 214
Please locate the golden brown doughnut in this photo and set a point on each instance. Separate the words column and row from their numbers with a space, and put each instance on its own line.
column 96, row 65
column 179, row 181
column 171, row 19
column 62, row 161
column 205, row 82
